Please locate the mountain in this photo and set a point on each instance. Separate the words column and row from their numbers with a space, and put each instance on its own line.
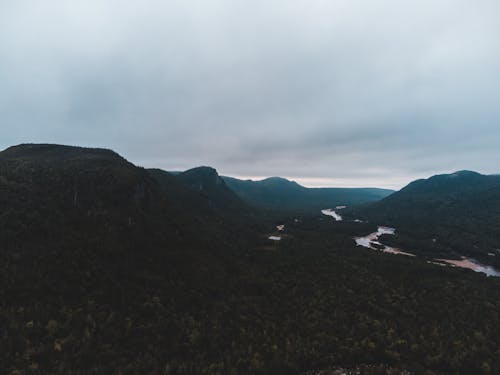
column 456, row 212
column 88, row 241
column 46, row 189
column 207, row 182
column 281, row 194
column 108, row 268
column 201, row 189
column 90, row 208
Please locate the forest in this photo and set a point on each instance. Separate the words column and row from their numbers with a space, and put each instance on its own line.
column 444, row 215
column 108, row 269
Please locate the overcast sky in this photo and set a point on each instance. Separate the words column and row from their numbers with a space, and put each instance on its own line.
column 327, row 92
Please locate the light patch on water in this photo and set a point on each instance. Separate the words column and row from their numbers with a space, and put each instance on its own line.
column 385, row 230
column 332, row 213
column 393, row 250
column 436, row 263
column 471, row 264
column 275, row 238
column 371, row 242
column 340, row 207
column 281, row 227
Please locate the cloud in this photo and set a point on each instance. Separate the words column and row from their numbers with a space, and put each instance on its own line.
column 343, row 92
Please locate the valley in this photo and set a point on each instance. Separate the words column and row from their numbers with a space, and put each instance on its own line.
column 372, row 241
column 306, row 187
column 110, row 267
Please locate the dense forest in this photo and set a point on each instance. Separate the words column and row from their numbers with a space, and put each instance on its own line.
column 276, row 193
column 111, row 268
column 444, row 215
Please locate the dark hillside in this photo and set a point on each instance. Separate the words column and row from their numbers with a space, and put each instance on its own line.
column 210, row 185
column 460, row 211
column 106, row 268
column 74, row 218
column 281, row 194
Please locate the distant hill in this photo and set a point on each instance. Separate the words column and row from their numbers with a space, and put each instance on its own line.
column 453, row 212
column 200, row 188
column 282, row 194
column 210, row 185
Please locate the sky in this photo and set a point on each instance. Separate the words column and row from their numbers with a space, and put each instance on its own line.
column 325, row 92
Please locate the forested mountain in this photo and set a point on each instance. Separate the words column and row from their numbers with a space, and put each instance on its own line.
column 62, row 191
column 201, row 189
column 85, row 236
column 207, row 181
column 456, row 212
column 106, row 267
column 282, row 194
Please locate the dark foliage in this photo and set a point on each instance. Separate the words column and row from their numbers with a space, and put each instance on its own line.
column 106, row 269
column 281, row 194
column 445, row 214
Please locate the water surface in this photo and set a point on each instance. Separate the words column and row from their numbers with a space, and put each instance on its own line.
column 371, row 241
column 332, row 213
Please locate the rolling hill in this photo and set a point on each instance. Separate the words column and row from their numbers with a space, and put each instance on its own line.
column 281, row 194
column 87, row 238
column 456, row 212
column 201, row 189
column 106, row 267
column 49, row 190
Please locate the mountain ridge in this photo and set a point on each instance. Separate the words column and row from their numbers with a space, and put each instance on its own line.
column 210, row 188
column 279, row 193
column 111, row 268
column 454, row 212
column 55, row 152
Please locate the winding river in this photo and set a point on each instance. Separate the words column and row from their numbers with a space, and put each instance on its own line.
column 372, row 242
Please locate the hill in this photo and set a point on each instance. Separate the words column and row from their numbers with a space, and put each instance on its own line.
column 456, row 212
column 281, row 194
column 207, row 182
column 110, row 268
column 50, row 190
column 202, row 190
column 88, row 235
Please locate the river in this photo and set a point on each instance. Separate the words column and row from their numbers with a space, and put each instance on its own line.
column 371, row 241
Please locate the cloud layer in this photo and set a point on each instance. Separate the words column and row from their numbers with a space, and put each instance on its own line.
column 329, row 92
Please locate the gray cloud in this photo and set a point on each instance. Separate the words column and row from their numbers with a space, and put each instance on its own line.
column 330, row 92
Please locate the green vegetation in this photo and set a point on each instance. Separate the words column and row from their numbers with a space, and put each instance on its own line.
column 110, row 268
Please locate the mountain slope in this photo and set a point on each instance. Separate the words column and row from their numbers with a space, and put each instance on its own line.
column 87, row 241
column 110, row 268
column 282, row 194
column 71, row 204
column 53, row 186
column 211, row 186
column 453, row 212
